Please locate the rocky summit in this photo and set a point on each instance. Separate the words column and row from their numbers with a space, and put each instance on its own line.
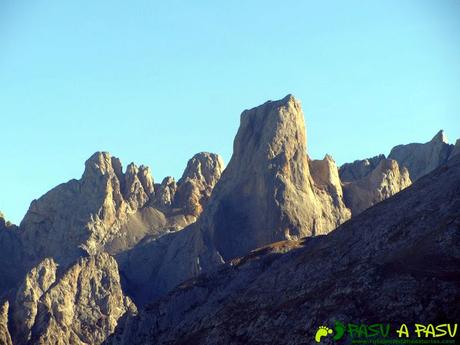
column 420, row 159
column 397, row 262
column 265, row 194
column 108, row 209
column 261, row 251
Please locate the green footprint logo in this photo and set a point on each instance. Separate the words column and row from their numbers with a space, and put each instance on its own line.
column 339, row 330
column 322, row 331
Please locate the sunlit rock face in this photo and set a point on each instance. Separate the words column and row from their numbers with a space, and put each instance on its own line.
column 420, row 159
column 358, row 169
column 5, row 337
column 266, row 193
column 191, row 246
column 397, row 262
column 384, row 181
column 82, row 306
column 77, row 218
column 197, row 182
column 111, row 210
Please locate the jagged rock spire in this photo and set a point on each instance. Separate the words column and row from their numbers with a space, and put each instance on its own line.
column 266, row 193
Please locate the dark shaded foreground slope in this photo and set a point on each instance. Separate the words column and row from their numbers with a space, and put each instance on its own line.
column 398, row 261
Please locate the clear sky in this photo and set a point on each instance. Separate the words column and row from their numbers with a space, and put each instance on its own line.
column 156, row 81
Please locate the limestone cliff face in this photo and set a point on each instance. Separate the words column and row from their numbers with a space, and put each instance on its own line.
column 384, row 181
column 328, row 187
column 398, row 262
column 79, row 216
column 197, row 182
column 165, row 193
column 359, row 168
column 420, row 159
column 81, row 307
column 108, row 210
column 266, row 193
column 35, row 284
column 5, row 337
column 163, row 234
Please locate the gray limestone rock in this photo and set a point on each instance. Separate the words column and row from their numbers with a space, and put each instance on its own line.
column 12, row 265
column 80, row 307
column 265, row 194
column 420, row 159
column 106, row 210
column 79, row 216
column 35, row 284
column 197, row 182
column 384, row 181
column 165, row 193
column 359, row 168
column 396, row 263
column 5, row 337
column 456, row 150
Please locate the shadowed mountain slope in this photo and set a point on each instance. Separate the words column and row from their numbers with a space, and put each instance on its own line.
column 397, row 262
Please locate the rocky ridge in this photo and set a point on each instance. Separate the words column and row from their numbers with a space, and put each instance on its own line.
column 266, row 194
column 90, row 215
column 163, row 234
column 420, row 159
column 358, row 169
column 381, row 265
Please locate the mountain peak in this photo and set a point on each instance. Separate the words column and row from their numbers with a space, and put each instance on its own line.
column 269, row 168
column 440, row 137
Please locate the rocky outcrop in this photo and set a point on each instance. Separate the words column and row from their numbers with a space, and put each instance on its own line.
column 420, row 159
column 35, row 284
column 5, row 337
column 359, row 168
column 328, row 187
column 456, row 150
column 384, row 181
column 197, row 182
column 11, row 256
column 396, row 263
column 111, row 210
column 82, row 306
column 165, row 193
column 5, row 224
column 138, row 186
column 78, row 217
column 193, row 190
column 265, row 194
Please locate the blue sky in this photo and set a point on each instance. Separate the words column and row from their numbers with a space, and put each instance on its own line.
column 155, row 82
